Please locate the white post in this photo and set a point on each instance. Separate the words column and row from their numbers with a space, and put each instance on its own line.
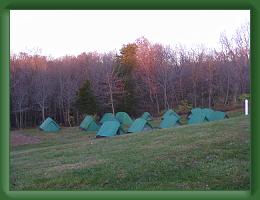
column 246, row 107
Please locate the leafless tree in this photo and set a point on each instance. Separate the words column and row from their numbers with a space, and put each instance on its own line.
column 163, row 78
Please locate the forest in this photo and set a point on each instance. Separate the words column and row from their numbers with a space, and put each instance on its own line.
column 143, row 76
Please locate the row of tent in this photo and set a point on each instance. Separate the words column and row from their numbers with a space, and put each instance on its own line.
column 89, row 124
column 200, row 115
column 111, row 125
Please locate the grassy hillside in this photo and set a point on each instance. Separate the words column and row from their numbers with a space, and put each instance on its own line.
column 211, row 156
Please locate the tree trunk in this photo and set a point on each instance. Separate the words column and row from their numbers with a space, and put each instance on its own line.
column 68, row 116
column 157, row 104
column 77, row 114
column 166, row 104
column 180, row 85
column 227, row 93
column 111, row 95
column 21, row 116
column 209, row 97
column 60, row 111
column 16, row 120
column 194, row 95
column 25, row 114
column 43, row 113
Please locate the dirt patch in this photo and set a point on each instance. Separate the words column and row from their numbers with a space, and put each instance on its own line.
column 18, row 139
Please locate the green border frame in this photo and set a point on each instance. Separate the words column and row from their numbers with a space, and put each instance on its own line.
column 7, row 5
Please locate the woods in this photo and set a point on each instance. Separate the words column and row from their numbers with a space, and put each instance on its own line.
column 144, row 76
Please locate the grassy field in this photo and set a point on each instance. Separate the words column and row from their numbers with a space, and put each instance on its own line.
column 210, row 156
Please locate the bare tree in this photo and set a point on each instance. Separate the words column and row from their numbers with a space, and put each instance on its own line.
column 19, row 90
column 112, row 84
column 163, row 77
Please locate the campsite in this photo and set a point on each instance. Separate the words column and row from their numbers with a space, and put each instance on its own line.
column 162, row 159
column 133, row 100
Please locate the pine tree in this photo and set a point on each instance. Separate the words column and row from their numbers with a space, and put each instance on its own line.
column 86, row 101
column 126, row 65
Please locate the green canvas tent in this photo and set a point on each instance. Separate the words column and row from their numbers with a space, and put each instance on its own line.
column 147, row 116
column 110, row 128
column 139, row 125
column 89, row 124
column 216, row 115
column 108, row 117
column 49, row 125
column 124, row 118
column 197, row 119
column 195, row 111
column 207, row 112
column 169, row 121
column 170, row 112
column 197, row 116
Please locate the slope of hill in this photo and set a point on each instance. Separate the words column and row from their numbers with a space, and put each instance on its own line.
column 210, row 156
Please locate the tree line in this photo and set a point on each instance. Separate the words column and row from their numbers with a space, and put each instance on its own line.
column 143, row 76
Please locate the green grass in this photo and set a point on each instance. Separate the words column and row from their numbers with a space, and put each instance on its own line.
column 210, row 156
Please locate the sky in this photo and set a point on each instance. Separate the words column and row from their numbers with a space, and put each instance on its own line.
column 59, row 33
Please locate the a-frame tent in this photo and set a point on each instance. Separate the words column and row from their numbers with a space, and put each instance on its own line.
column 140, row 125
column 124, row 118
column 89, row 124
column 197, row 116
column 49, row 125
column 147, row 116
column 170, row 112
column 108, row 117
column 170, row 121
column 217, row 115
column 109, row 129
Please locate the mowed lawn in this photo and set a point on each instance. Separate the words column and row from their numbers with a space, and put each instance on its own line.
column 210, row 156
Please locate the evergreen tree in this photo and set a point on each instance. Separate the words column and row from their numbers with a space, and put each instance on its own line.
column 126, row 65
column 86, row 101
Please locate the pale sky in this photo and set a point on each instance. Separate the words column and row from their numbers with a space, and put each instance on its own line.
column 59, row 33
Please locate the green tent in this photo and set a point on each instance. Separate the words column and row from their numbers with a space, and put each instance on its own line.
column 108, row 117
column 170, row 112
column 217, row 115
column 147, row 116
column 110, row 128
column 169, row 121
column 197, row 119
column 89, row 124
column 195, row 111
column 197, row 116
column 124, row 118
column 49, row 125
column 207, row 112
column 139, row 125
